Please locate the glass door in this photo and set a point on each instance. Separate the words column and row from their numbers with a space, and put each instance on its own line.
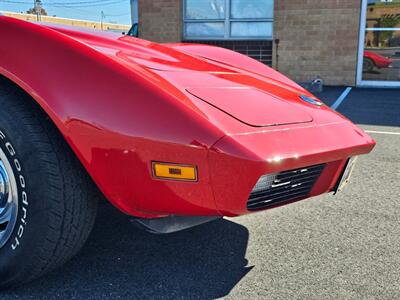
column 379, row 50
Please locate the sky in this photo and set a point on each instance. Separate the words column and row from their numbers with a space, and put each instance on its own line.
column 116, row 11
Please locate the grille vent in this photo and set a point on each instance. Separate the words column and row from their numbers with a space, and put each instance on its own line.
column 283, row 187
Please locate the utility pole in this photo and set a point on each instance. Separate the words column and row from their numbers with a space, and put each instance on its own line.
column 134, row 12
column 37, row 6
column 102, row 19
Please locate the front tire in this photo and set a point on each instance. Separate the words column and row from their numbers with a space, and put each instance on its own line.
column 368, row 65
column 49, row 200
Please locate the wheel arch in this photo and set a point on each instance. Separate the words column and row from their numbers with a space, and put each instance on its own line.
column 373, row 62
column 10, row 82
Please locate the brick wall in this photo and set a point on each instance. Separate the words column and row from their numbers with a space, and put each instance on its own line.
column 160, row 20
column 317, row 37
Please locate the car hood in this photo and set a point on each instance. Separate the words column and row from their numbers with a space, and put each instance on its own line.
column 248, row 97
column 251, row 106
column 130, row 50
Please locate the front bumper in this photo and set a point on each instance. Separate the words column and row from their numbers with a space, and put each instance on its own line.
column 238, row 161
column 228, row 171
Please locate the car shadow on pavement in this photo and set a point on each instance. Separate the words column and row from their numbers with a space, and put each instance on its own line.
column 121, row 261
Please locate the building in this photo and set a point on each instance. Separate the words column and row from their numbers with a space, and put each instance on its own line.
column 345, row 42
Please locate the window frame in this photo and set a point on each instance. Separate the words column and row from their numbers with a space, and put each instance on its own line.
column 227, row 25
column 360, row 81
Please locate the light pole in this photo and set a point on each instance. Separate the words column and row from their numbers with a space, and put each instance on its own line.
column 37, row 7
column 102, row 19
column 134, row 11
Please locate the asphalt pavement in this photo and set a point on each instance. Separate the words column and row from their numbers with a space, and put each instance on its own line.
column 330, row 247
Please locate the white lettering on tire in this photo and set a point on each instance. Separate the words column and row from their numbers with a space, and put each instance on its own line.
column 24, row 196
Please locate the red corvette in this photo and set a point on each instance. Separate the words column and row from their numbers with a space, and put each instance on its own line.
column 175, row 135
column 373, row 60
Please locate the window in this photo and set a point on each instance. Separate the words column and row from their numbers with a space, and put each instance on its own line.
column 228, row 19
column 379, row 43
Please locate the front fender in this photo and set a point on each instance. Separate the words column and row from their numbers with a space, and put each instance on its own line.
column 116, row 119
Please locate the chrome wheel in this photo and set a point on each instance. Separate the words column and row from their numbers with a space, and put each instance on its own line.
column 8, row 199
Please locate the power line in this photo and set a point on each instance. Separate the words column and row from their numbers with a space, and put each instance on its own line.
column 77, row 2
column 94, row 2
column 118, row 15
column 79, row 10
column 15, row 2
column 88, row 5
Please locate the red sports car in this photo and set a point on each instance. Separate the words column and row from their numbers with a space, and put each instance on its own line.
column 373, row 60
column 175, row 135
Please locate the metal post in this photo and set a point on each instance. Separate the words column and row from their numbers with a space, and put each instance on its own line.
column 36, row 9
column 134, row 11
column 102, row 19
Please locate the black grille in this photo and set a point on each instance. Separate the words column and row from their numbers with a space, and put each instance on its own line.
column 286, row 186
column 260, row 50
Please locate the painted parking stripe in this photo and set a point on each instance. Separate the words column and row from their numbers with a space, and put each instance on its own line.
column 341, row 98
column 383, row 132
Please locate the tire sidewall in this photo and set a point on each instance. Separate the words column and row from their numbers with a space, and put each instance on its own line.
column 368, row 65
column 18, row 255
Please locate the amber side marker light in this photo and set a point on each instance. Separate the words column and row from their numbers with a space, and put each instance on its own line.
column 174, row 171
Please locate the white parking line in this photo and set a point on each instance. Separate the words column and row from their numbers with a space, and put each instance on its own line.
column 341, row 98
column 383, row 132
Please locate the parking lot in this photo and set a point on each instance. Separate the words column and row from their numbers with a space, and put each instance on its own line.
column 330, row 247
